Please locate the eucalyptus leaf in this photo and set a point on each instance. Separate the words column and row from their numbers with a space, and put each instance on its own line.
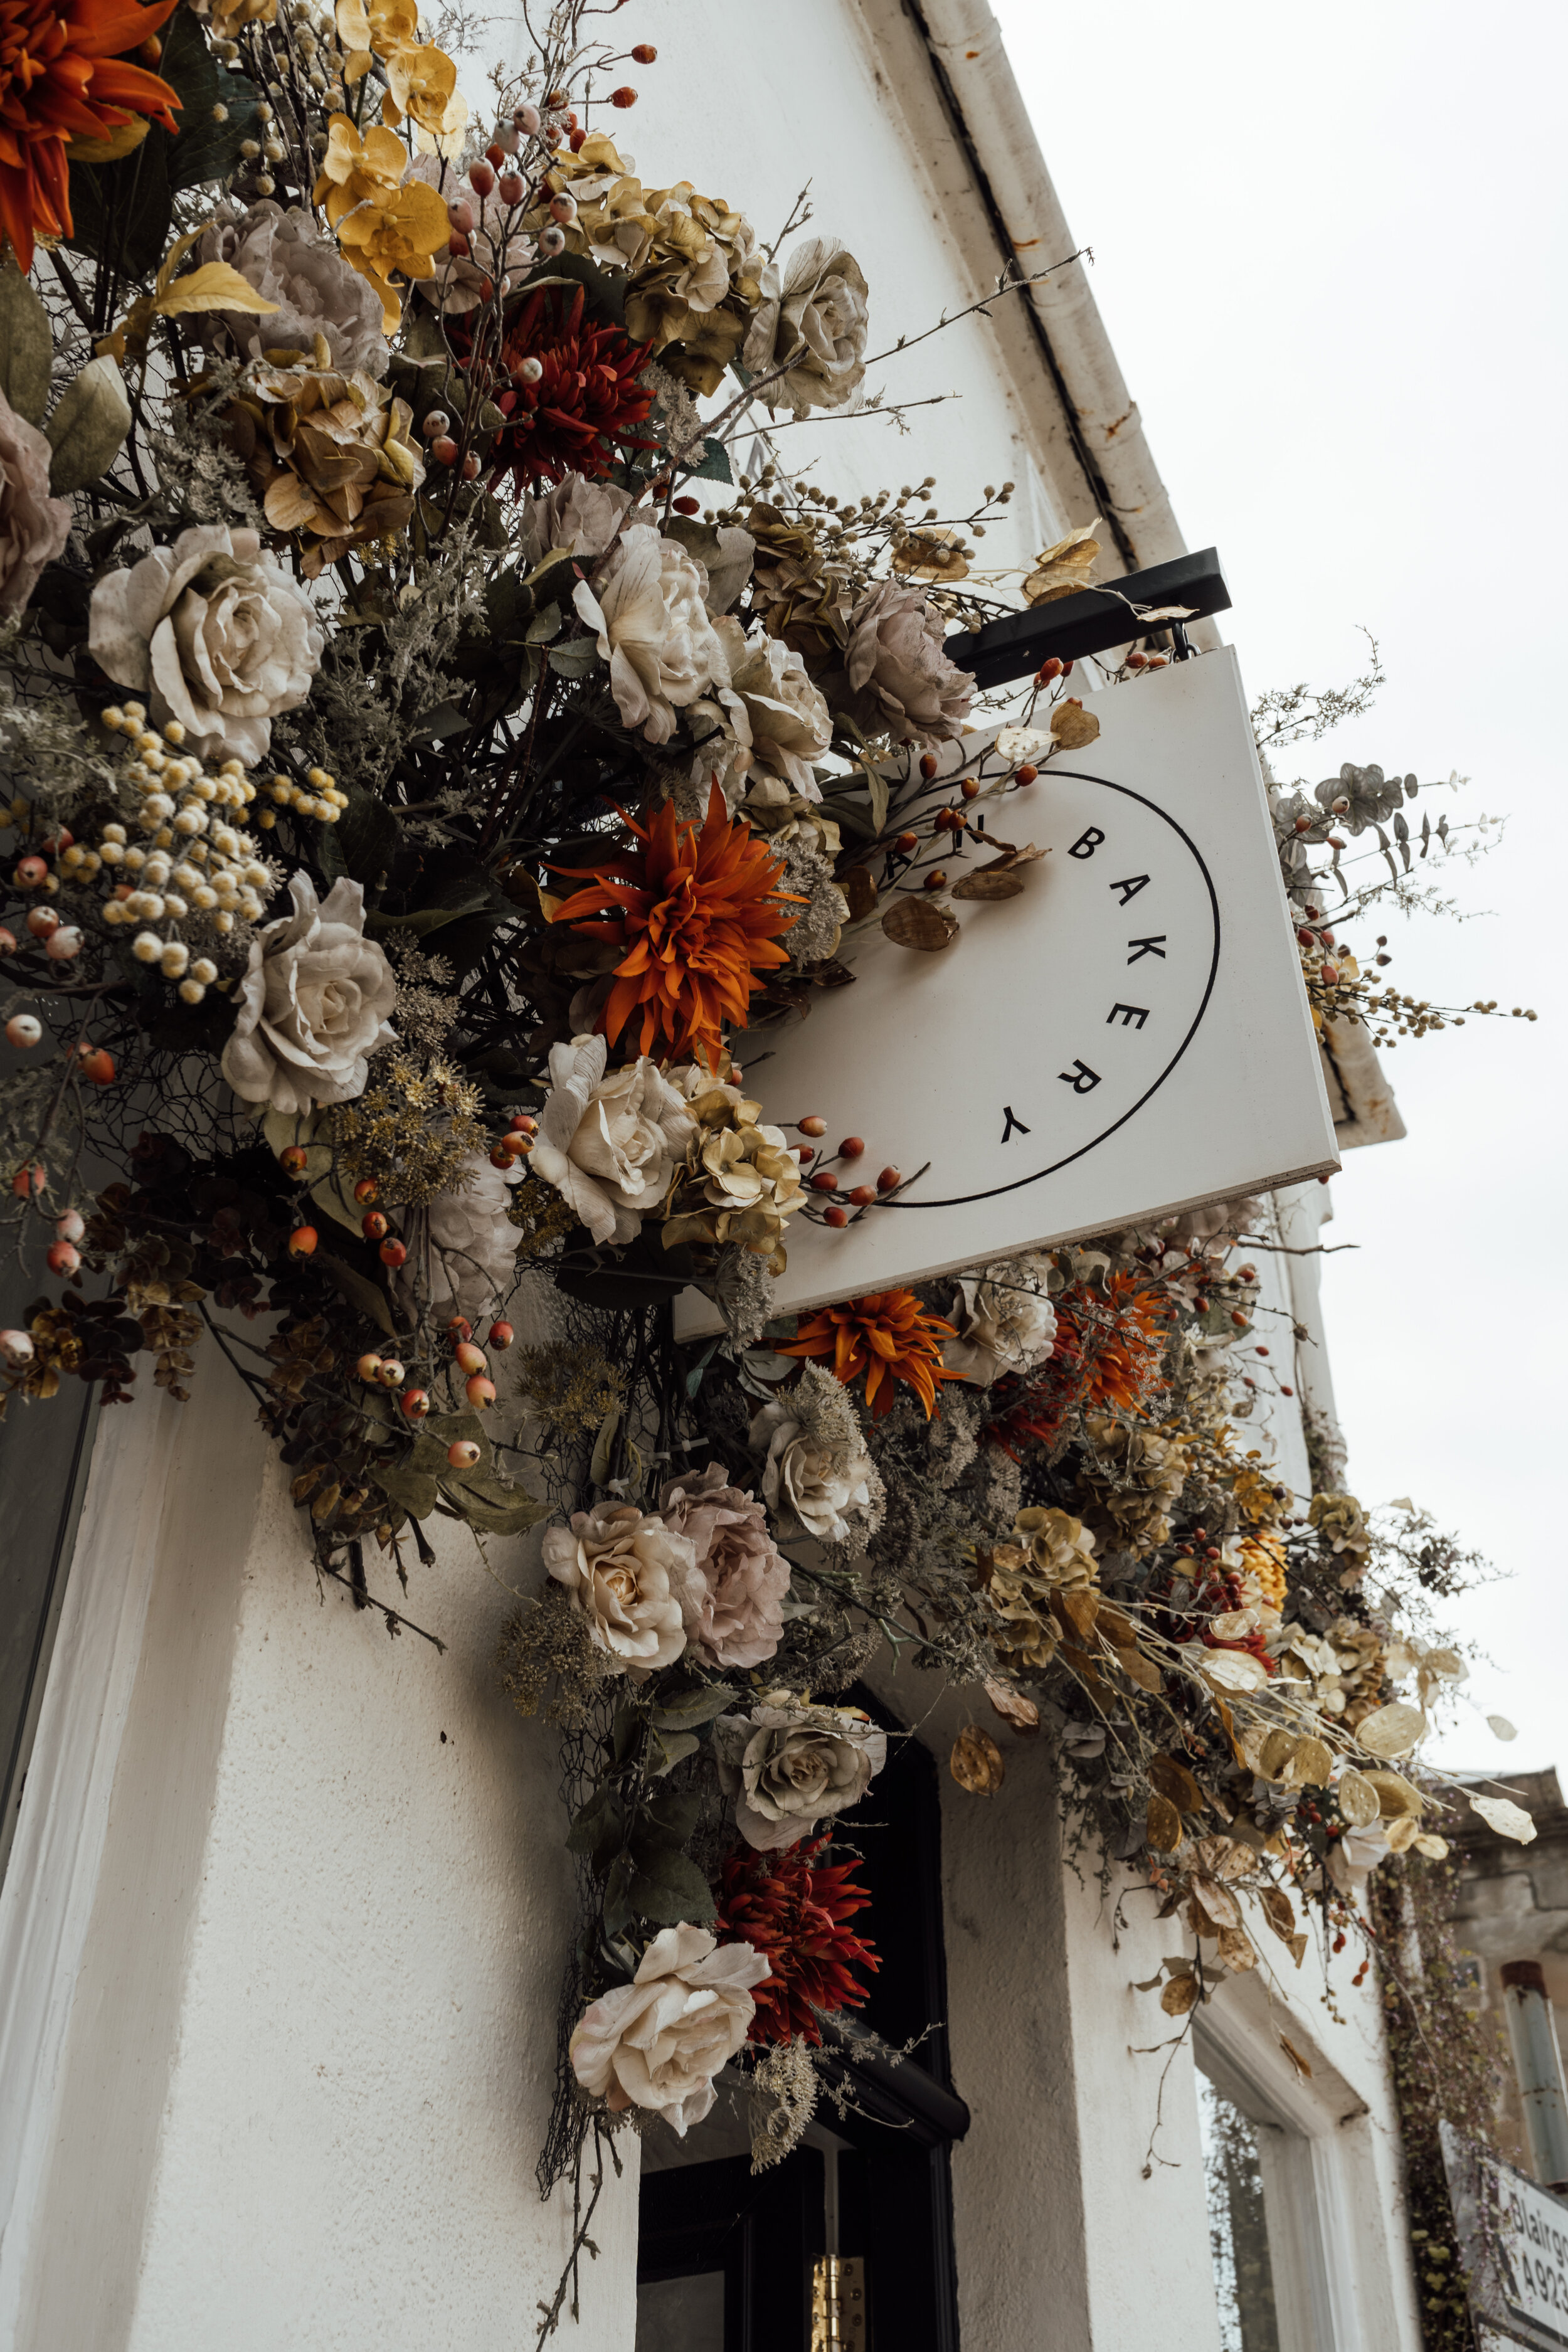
column 88, row 429
column 26, row 346
column 667, row 1888
column 414, row 1489
column 121, row 213
column 599, row 1467
column 680, row 1710
column 669, row 1748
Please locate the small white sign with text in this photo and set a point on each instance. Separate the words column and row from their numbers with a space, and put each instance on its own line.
column 1126, row 1038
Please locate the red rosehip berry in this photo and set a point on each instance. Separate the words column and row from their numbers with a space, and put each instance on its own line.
column 43, row 922
column 374, row 1225
column 444, row 449
column 1026, row 775
column 462, row 1453
column 294, row 1159
column 459, row 1327
column 495, row 154
column 469, row 1357
column 24, row 1029
column 414, row 1404
column 30, row 1178
column 63, row 1257
column 851, row 1147
column 863, row 1195
column 511, row 190
column 501, row 1336
column 369, row 1368
column 521, row 1124
column 970, row 788
column 836, row 1216
column 825, row 1180
column 71, row 1226
column 687, row 506
column 888, row 1180
column 31, row 872
column 624, row 97
column 482, row 178
column 1048, row 669
column 302, row 1241
column 937, row 881
column 645, row 53
column 907, row 844
column 805, row 1154
column 812, row 1126
column 393, row 1253
column 366, row 1191
column 927, row 765
column 480, row 1389
column 392, row 1374
column 500, row 1155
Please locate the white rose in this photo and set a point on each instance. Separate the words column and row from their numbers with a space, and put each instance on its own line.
column 788, row 1768
column 659, row 2041
column 609, row 1145
column 577, row 513
column 647, row 610
column 1005, row 1322
column 813, row 316
column 769, row 708
column 473, row 1244
column 312, row 1006
column 809, row 1478
column 625, row 1571
column 214, row 634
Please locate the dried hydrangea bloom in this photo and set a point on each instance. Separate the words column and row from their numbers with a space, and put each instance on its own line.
column 732, row 1606
column 291, row 260
column 1005, row 1321
column 789, row 1767
column 331, row 457
column 659, row 2041
column 625, row 1570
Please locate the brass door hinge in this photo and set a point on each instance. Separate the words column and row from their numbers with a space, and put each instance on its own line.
column 838, row 2304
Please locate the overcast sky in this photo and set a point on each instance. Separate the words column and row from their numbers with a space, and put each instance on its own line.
column 1330, row 252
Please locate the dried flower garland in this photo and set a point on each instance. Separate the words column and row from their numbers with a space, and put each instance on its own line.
column 415, row 795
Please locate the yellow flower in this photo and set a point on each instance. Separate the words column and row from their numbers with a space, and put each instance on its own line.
column 421, row 82
column 374, row 28
column 384, row 228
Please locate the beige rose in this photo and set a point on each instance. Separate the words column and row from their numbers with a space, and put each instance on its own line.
column 812, row 322
column 906, row 686
column 770, row 711
column 625, row 1571
column 582, row 515
column 473, row 1244
column 659, row 2041
column 1005, row 1322
column 313, row 1004
column 34, row 526
column 815, row 1479
column 214, row 634
column 292, row 261
column 790, row 1766
column 732, row 1606
column 646, row 607
column 610, row 1145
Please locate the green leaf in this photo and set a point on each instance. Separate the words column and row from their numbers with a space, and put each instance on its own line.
column 576, row 659
column 544, row 626
column 423, row 921
column 669, row 1889
column 599, row 1467
column 616, row 1908
column 368, row 835
column 121, row 212
column 360, row 1292
column 414, row 1489
column 669, row 1748
column 679, row 1710
column 668, row 1818
column 26, row 346
column 604, row 291
column 715, row 466
column 599, row 1829
column 88, row 429
column 204, row 149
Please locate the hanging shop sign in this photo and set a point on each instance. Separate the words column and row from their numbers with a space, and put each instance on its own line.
column 1513, row 2235
column 1117, row 1031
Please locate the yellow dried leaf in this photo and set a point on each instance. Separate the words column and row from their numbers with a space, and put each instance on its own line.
column 1081, row 1611
column 119, row 143
column 1277, row 1910
column 1164, row 1825
column 1358, row 1799
column 1074, row 727
column 1401, row 1834
column 214, row 287
column 991, row 882
column 1173, row 1780
column 976, row 1762
column 1237, row 1949
column 1139, row 1670
column 1218, row 1903
column 1275, row 1754
column 1294, row 2055
column 921, row 924
column 859, row 888
column 1180, row 1995
column 1435, row 1848
column 1012, row 1705
column 1065, row 569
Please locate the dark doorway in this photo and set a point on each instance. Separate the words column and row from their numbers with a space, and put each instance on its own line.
column 726, row 2260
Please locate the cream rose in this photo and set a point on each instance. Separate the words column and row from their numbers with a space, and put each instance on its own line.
column 582, row 515
column 818, row 1480
column 732, row 1606
column 609, row 1145
column 790, row 1766
column 813, row 316
column 1005, row 1322
column 646, row 607
column 625, row 1572
column 34, row 526
column 659, row 2041
column 214, row 634
column 905, row 684
column 473, row 1244
column 768, row 709
column 312, row 1006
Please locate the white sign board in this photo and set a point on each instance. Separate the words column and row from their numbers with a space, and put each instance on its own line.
column 1127, row 1038
column 1514, row 2237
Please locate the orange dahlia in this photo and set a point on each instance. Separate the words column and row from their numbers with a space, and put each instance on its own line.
column 889, row 1337
column 793, row 1914
column 1108, row 1355
column 698, row 915
column 63, row 75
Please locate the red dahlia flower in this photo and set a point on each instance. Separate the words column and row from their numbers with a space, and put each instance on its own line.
column 699, row 918
column 793, row 1915
column 578, row 414
column 63, row 75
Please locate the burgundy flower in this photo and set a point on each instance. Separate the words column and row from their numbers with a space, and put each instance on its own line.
column 579, row 413
column 795, row 1914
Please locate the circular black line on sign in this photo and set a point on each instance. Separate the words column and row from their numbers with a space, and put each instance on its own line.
column 960, row 1200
